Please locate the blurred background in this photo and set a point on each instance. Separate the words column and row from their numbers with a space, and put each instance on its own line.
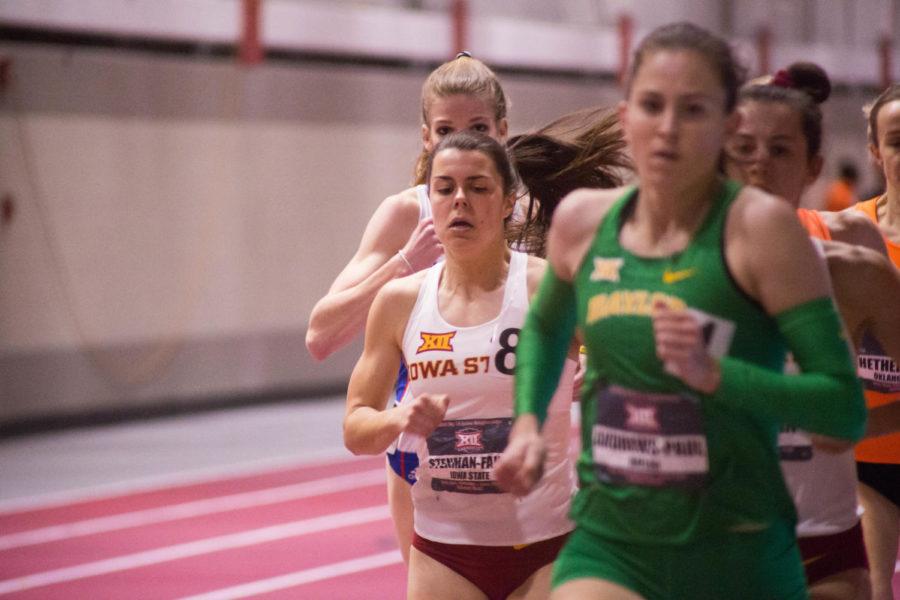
column 180, row 180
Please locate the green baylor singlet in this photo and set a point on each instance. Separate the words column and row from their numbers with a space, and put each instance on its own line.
column 661, row 464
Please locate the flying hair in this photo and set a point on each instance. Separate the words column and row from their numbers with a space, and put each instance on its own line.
column 583, row 149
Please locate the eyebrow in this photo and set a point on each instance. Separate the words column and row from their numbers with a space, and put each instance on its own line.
column 470, row 178
column 698, row 97
column 687, row 96
column 477, row 119
column 781, row 137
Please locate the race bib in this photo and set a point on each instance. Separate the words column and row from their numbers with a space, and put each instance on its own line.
column 794, row 445
column 462, row 454
column 878, row 372
column 649, row 439
column 718, row 333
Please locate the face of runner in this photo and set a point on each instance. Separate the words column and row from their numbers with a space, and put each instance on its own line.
column 467, row 200
column 458, row 113
column 770, row 151
column 887, row 154
column 674, row 118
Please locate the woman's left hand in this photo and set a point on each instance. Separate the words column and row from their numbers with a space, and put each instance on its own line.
column 681, row 347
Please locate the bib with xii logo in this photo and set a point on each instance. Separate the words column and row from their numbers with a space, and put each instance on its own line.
column 654, row 440
column 455, row 498
column 662, row 463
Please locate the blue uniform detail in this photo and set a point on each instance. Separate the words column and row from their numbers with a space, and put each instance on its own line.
column 404, row 464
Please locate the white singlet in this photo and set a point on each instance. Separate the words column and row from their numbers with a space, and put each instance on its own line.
column 822, row 484
column 424, row 202
column 454, row 498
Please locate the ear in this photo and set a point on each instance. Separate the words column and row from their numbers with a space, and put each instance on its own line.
column 502, row 129
column 622, row 109
column 509, row 205
column 815, row 168
column 876, row 156
column 426, row 137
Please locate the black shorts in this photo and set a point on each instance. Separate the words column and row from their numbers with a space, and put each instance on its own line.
column 884, row 478
column 827, row 555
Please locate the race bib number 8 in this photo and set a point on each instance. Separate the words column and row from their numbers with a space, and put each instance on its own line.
column 649, row 439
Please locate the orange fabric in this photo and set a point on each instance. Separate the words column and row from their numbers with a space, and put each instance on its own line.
column 839, row 196
column 884, row 449
column 893, row 248
column 813, row 223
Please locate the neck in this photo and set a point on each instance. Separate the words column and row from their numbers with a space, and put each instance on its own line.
column 662, row 212
column 485, row 270
column 890, row 204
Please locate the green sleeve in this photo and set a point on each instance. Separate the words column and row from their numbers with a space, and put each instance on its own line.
column 544, row 344
column 825, row 398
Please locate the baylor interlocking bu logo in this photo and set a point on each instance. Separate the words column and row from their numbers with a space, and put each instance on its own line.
column 436, row 341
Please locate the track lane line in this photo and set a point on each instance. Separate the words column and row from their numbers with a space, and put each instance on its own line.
column 207, row 546
column 196, row 476
column 196, row 508
column 290, row 580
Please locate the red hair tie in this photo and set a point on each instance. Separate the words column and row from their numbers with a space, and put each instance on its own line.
column 782, row 79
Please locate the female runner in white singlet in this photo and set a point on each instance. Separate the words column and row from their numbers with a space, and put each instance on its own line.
column 456, row 326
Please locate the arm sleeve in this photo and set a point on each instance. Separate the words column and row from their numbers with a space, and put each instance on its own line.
column 543, row 345
column 825, row 398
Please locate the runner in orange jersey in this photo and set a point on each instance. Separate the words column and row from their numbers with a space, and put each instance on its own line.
column 878, row 460
column 777, row 148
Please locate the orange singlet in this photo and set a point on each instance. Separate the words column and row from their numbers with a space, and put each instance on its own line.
column 880, row 374
column 813, row 223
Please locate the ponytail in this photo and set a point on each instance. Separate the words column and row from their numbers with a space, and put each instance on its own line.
column 583, row 149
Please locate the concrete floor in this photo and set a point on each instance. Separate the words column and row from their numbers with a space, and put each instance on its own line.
column 87, row 461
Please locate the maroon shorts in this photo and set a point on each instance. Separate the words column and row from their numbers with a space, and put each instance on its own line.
column 495, row 570
column 827, row 555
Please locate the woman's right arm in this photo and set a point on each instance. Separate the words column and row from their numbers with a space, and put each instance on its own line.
column 368, row 427
column 851, row 226
column 867, row 289
column 341, row 314
column 771, row 257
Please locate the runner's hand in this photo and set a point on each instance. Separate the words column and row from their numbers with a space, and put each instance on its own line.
column 521, row 465
column 578, row 380
column 422, row 248
column 682, row 349
column 422, row 414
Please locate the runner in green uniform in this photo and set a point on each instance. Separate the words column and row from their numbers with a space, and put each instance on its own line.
column 688, row 290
